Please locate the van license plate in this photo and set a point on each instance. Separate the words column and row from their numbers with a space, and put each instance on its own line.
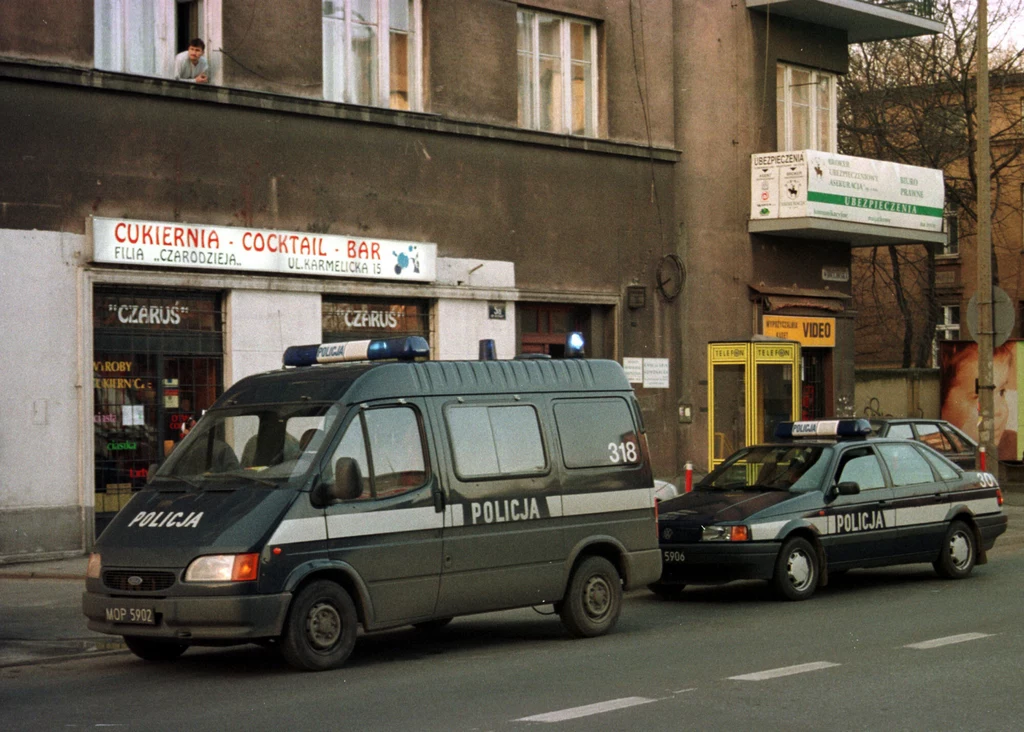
column 673, row 556
column 134, row 615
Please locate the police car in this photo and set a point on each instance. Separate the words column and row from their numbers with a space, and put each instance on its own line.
column 825, row 498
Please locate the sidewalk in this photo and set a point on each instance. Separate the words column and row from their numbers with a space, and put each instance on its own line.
column 41, row 618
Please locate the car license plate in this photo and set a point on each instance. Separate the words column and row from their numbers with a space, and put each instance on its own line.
column 134, row 615
column 672, row 556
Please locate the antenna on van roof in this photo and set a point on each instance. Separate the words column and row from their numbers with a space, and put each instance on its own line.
column 487, row 350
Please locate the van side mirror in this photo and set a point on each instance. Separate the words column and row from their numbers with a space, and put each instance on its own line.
column 347, row 484
column 848, row 488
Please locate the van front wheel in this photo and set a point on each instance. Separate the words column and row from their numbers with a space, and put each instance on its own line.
column 321, row 628
column 594, row 599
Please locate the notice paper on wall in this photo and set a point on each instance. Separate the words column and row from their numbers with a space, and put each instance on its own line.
column 133, row 415
column 634, row 368
column 655, row 373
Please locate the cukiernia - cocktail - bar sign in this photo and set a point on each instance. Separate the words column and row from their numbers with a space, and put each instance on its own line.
column 811, row 183
column 234, row 248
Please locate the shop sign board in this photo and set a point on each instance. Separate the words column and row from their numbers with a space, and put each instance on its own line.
column 812, row 332
column 815, row 184
column 238, row 249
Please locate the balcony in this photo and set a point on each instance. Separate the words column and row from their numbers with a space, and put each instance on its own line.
column 878, row 20
column 809, row 194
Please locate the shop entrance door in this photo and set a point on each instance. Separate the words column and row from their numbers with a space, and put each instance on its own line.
column 814, row 394
column 157, row 360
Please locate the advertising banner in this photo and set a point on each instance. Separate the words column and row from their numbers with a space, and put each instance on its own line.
column 816, row 184
column 231, row 248
column 813, row 332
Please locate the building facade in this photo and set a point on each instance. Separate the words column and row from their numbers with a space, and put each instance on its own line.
column 456, row 169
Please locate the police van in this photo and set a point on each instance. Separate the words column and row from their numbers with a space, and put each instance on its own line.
column 824, row 498
column 362, row 485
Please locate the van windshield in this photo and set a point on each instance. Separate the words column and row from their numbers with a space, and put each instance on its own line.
column 263, row 444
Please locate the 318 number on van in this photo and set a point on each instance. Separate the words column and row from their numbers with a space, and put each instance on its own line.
column 623, row 452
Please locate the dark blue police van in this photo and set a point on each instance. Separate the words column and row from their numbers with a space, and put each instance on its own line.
column 384, row 490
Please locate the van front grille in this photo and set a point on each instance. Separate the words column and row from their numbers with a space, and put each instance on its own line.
column 143, row 580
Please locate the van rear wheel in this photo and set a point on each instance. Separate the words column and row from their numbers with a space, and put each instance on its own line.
column 594, row 599
column 154, row 649
column 320, row 632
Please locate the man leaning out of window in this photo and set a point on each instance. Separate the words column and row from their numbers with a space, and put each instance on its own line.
column 190, row 65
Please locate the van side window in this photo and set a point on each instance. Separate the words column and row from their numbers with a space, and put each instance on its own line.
column 394, row 463
column 492, row 441
column 596, row 432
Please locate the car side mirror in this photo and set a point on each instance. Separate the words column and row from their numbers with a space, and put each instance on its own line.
column 848, row 488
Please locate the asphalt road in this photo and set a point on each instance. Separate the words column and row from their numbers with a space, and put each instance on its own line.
column 728, row 657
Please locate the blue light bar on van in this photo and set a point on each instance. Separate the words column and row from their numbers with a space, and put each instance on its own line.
column 574, row 345
column 823, row 428
column 402, row 349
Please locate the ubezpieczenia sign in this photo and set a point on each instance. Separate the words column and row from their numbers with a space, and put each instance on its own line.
column 811, row 183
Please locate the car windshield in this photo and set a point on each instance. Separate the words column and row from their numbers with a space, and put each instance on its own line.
column 793, row 468
column 264, row 445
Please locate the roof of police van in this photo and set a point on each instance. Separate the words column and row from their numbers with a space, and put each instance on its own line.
column 364, row 381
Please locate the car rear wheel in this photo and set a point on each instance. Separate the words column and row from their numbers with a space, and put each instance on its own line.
column 796, row 570
column 959, row 552
column 594, row 599
column 154, row 649
column 321, row 628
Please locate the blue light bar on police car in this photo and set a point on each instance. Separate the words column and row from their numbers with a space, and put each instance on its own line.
column 401, row 349
column 823, row 428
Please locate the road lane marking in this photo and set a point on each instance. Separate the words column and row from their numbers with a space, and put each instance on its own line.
column 785, row 671
column 948, row 640
column 589, row 709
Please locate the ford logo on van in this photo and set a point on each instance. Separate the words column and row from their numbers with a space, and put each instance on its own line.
column 135, row 580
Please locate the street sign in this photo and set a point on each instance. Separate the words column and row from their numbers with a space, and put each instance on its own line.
column 1002, row 316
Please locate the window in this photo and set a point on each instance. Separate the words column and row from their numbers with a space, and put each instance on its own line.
column 492, row 441
column 371, row 52
column 596, row 433
column 945, row 470
column 143, row 36
column 394, row 463
column 933, row 437
column 860, row 466
column 557, row 73
column 947, row 329
column 901, row 432
column 805, row 109
column 132, row 36
column 906, row 465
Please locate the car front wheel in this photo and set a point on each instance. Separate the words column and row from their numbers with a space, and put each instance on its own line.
column 959, row 552
column 796, row 570
column 321, row 628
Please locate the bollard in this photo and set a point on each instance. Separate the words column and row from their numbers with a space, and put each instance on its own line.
column 981, row 458
column 689, row 476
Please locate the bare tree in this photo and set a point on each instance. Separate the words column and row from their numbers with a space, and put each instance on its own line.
column 914, row 101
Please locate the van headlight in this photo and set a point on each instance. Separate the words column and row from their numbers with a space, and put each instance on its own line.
column 725, row 533
column 95, row 565
column 223, row 568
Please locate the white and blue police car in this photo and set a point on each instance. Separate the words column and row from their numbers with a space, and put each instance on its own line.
column 825, row 497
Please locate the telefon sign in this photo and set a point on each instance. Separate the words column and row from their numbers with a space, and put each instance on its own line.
column 233, row 248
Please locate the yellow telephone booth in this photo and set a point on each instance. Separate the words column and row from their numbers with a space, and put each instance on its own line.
column 752, row 386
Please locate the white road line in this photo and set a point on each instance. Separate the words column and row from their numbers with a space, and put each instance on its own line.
column 589, row 709
column 948, row 640
column 785, row 671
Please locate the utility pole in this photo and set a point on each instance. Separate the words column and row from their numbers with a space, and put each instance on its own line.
column 986, row 385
